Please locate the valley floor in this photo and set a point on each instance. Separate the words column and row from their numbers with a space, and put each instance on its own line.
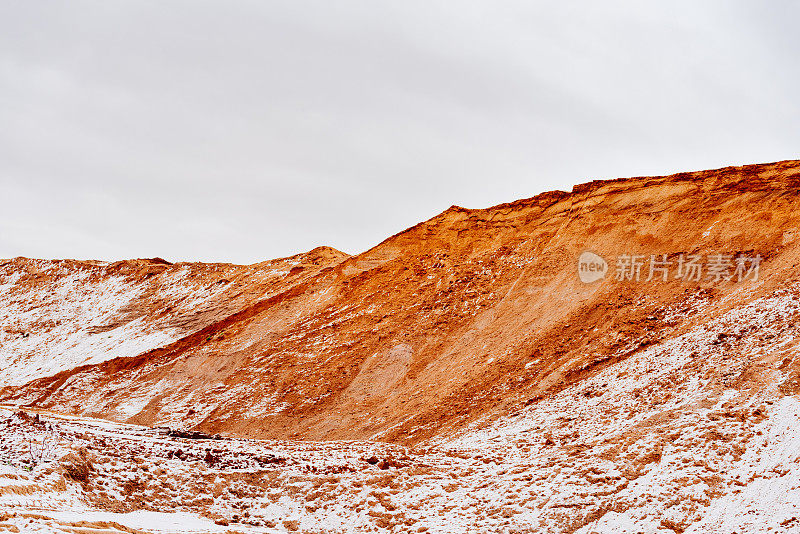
column 711, row 469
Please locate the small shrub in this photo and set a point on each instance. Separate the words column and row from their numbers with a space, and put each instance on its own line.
column 77, row 465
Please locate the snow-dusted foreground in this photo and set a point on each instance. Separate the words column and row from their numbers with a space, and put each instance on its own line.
column 699, row 433
column 715, row 469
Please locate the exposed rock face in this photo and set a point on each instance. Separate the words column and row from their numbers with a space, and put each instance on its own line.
column 471, row 315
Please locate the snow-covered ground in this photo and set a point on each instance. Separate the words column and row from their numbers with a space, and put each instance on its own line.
column 699, row 433
column 669, row 440
column 51, row 328
column 56, row 316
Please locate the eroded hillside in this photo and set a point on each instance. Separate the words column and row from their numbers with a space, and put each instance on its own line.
column 514, row 396
column 473, row 312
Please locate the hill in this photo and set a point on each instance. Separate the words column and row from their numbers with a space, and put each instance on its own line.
column 472, row 335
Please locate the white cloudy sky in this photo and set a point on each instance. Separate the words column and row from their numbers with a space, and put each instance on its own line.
column 245, row 130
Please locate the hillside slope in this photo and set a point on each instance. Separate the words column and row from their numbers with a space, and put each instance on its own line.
column 57, row 315
column 473, row 312
column 514, row 396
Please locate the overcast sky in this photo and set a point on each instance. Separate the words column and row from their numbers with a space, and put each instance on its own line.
column 242, row 131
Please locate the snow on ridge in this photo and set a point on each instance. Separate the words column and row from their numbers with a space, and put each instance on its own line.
column 620, row 380
column 50, row 327
column 665, row 436
column 83, row 316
